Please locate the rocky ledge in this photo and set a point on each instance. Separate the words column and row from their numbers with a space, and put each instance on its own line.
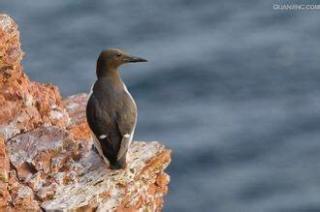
column 46, row 161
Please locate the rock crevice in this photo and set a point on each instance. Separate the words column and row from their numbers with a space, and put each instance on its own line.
column 46, row 162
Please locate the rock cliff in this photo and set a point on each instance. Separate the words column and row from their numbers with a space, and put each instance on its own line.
column 46, row 162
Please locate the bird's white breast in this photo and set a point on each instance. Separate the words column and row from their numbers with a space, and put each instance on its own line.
column 129, row 94
column 91, row 90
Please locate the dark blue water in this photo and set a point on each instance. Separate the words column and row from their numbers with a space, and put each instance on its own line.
column 233, row 87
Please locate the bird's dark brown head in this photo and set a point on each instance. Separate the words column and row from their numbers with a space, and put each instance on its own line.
column 109, row 60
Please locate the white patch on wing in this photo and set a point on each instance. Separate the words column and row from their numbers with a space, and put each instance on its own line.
column 103, row 136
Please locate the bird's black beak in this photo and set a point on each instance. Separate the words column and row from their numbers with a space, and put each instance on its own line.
column 133, row 59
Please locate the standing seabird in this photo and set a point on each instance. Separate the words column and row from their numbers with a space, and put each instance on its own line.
column 111, row 110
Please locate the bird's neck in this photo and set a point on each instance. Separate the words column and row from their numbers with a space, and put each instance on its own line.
column 111, row 78
column 107, row 72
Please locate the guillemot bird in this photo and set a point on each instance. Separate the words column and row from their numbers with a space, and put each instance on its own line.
column 111, row 110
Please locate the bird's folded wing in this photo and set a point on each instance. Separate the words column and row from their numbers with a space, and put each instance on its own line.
column 124, row 146
column 126, row 123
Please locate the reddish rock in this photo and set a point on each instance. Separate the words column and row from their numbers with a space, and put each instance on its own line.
column 141, row 186
column 24, row 104
column 48, row 143
column 76, row 107
column 47, row 192
column 48, row 102
column 4, row 175
column 37, row 181
column 33, row 151
column 23, row 199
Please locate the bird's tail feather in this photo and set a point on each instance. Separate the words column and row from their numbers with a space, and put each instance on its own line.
column 121, row 161
column 118, row 162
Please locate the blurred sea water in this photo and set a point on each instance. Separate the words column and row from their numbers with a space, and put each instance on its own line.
column 232, row 87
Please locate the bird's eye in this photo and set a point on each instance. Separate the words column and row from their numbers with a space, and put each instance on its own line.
column 119, row 55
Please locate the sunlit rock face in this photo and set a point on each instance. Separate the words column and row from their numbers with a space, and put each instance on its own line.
column 24, row 104
column 46, row 161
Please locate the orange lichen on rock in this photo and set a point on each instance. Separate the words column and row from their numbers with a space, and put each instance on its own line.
column 46, row 161
column 24, row 104
column 78, row 126
column 4, row 174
